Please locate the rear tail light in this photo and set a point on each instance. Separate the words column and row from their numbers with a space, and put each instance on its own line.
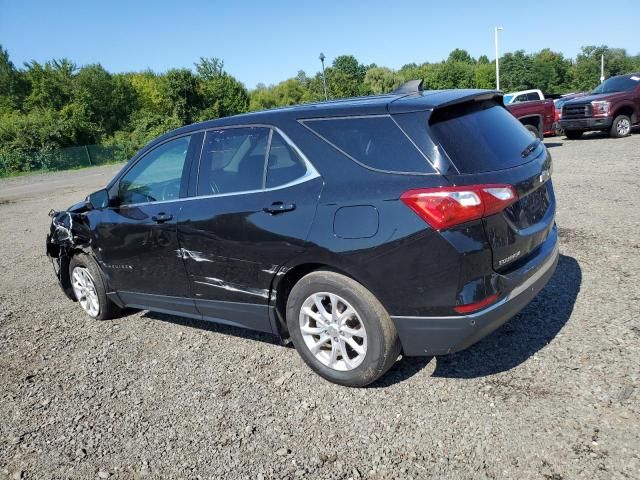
column 474, row 307
column 444, row 207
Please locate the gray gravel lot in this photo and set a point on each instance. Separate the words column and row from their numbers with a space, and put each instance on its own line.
column 554, row 394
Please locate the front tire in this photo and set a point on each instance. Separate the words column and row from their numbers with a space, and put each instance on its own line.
column 340, row 329
column 89, row 288
column 621, row 127
column 573, row 134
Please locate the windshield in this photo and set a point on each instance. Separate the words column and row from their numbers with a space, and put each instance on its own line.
column 507, row 99
column 618, row 84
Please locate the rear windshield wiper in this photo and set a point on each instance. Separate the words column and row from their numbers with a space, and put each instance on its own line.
column 532, row 146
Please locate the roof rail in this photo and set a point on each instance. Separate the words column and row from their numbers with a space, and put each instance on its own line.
column 408, row 88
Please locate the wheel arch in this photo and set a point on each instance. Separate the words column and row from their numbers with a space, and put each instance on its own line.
column 64, row 260
column 628, row 110
column 287, row 277
column 534, row 120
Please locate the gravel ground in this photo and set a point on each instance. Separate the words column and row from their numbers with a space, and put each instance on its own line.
column 554, row 394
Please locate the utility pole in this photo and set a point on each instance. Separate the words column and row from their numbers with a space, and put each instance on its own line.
column 324, row 78
column 602, row 68
column 497, row 59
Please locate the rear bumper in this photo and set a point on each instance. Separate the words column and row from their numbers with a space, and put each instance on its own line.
column 441, row 335
column 586, row 124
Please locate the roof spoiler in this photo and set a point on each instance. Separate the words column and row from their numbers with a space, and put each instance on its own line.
column 409, row 88
column 440, row 99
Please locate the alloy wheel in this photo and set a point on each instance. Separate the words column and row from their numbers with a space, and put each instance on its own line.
column 85, row 290
column 623, row 127
column 333, row 331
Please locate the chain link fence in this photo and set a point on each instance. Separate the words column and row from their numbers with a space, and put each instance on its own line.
column 12, row 163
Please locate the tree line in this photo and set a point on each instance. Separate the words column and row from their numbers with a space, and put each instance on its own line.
column 56, row 104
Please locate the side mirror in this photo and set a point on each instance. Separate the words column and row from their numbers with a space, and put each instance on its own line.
column 97, row 200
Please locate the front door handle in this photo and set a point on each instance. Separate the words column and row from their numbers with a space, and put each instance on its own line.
column 162, row 217
column 279, row 207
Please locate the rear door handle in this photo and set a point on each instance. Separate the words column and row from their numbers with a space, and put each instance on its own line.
column 279, row 207
column 162, row 217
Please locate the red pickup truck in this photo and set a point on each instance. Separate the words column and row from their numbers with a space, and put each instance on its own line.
column 614, row 107
column 536, row 115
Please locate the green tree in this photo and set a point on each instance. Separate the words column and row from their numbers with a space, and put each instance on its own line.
column 50, row 85
column 288, row 92
column 485, row 75
column 382, row 80
column 459, row 55
column 181, row 90
column 45, row 129
column 515, row 71
column 454, row 74
column 143, row 127
column 262, row 98
column 12, row 87
column 585, row 74
column 208, row 68
column 149, row 91
column 220, row 94
column 346, row 77
column 106, row 100
column 45, row 106
column 549, row 71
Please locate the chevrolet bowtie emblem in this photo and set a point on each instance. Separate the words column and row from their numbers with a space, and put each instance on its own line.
column 544, row 176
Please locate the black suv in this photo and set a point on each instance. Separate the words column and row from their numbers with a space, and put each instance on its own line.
column 416, row 223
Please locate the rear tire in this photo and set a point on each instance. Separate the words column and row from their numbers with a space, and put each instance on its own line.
column 534, row 131
column 89, row 288
column 621, row 127
column 573, row 134
column 366, row 326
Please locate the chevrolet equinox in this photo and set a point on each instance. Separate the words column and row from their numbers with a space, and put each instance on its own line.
column 415, row 222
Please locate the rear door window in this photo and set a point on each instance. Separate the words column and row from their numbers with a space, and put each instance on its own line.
column 375, row 142
column 285, row 166
column 233, row 160
column 481, row 137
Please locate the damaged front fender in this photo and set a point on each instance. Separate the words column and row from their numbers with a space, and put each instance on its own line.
column 68, row 234
column 69, row 228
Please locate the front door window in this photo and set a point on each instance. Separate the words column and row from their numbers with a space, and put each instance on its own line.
column 157, row 176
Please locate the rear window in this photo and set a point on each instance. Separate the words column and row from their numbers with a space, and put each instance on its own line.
column 374, row 141
column 481, row 137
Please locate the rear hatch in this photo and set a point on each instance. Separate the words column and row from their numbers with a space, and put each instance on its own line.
column 488, row 146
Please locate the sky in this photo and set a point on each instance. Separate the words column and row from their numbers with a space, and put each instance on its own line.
column 269, row 41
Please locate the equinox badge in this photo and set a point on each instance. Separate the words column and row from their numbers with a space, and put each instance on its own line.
column 509, row 258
